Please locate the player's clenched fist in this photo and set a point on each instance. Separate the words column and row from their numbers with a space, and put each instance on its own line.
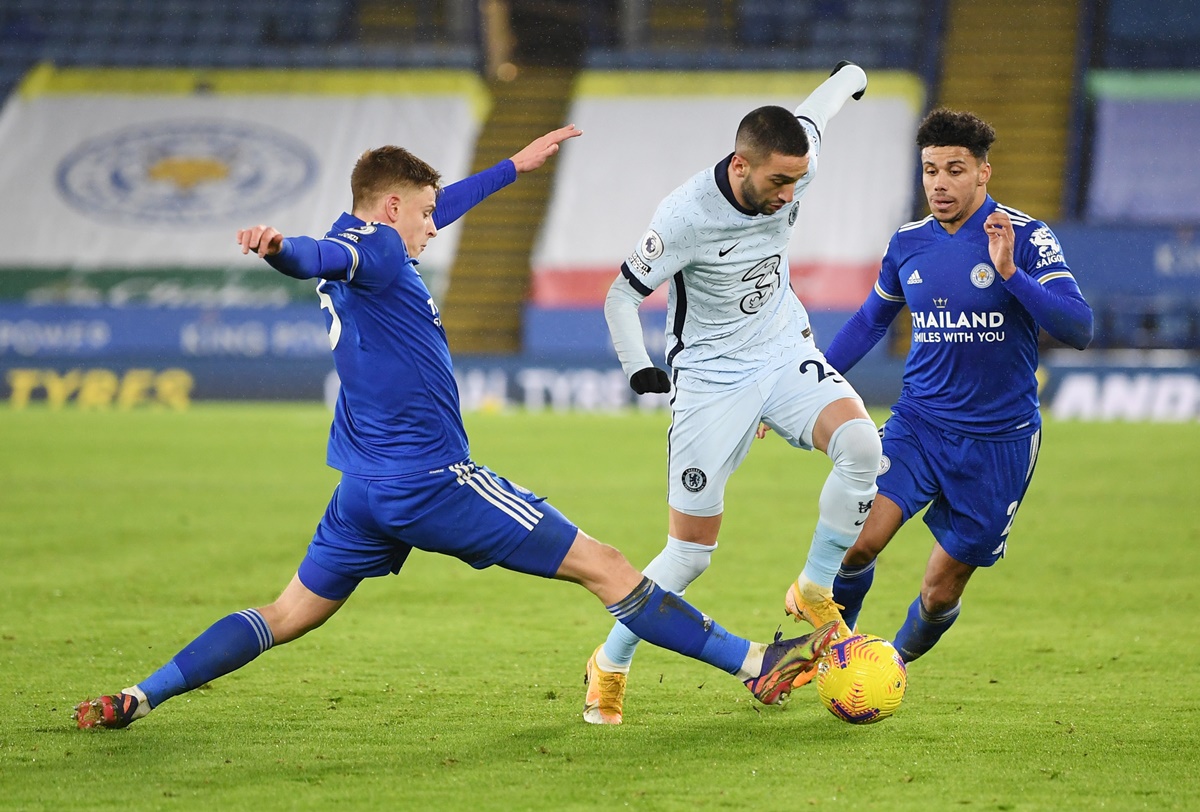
column 262, row 240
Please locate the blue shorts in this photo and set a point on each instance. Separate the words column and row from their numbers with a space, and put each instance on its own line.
column 973, row 487
column 463, row 510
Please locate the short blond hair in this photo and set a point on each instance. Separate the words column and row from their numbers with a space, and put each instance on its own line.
column 385, row 169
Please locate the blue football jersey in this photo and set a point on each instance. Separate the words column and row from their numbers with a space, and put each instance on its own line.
column 971, row 367
column 398, row 409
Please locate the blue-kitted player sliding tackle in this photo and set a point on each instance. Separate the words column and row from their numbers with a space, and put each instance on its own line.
column 408, row 480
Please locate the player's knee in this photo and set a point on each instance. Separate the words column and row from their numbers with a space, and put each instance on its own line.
column 937, row 599
column 855, row 449
column 599, row 565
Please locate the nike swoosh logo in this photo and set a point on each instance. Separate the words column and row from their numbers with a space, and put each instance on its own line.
column 860, row 524
column 730, row 248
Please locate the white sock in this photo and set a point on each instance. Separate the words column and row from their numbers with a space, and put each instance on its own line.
column 846, row 498
column 143, row 706
column 753, row 664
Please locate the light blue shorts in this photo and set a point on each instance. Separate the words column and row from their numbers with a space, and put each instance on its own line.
column 711, row 432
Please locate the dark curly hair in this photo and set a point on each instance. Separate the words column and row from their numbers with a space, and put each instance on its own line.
column 952, row 128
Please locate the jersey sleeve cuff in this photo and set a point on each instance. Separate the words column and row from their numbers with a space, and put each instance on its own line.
column 633, row 281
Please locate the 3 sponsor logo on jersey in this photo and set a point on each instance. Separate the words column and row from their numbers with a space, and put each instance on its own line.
column 765, row 276
column 185, row 172
column 982, row 275
column 1049, row 250
column 652, row 245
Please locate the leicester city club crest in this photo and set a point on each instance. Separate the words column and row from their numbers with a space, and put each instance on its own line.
column 185, row 173
column 982, row 275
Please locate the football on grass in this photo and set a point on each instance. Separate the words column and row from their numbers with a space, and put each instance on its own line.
column 861, row 679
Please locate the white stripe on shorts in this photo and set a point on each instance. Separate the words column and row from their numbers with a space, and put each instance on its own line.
column 1034, row 442
column 516, row 508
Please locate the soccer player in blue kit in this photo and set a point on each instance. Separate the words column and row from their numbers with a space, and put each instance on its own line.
column 979, row 279
column 407, row 476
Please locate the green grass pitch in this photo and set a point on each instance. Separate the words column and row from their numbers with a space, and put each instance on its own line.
column 1069, row 682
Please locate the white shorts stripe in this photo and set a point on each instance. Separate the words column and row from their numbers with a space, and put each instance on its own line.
column 518, row 504
column 517, row 517
column 1034, row 443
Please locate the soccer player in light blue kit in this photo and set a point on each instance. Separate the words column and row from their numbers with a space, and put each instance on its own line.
column 979, row 279
column 407, row 476
column 742, row 353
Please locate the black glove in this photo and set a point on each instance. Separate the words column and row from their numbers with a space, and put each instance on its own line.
column 841, row 65
column 650, row 379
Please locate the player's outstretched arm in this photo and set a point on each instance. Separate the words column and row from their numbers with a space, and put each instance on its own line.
column 847, row 81
column 262, row 240
column 297, row 257
column 538, row 151
column 844, row 64
column 458, row 198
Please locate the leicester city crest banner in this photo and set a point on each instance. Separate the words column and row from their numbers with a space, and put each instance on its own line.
column 123, row 169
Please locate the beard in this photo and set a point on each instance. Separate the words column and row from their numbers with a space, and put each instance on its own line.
column 755, row 200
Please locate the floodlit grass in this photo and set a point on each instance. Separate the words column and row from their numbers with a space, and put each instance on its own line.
column 1070, row 681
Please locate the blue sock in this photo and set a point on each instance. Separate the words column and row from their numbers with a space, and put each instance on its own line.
column 674, row 569
column 921, row 630
column 667, row 620
column 850, row 587
column 225, row 646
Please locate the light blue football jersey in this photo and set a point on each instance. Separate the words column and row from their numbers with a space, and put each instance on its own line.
column 731, row 311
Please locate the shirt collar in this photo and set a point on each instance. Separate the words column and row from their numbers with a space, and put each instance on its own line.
column 721, row 171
